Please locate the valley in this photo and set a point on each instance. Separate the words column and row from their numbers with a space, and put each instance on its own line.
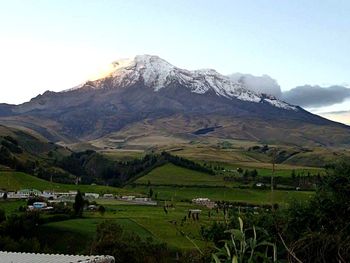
column 172, row 185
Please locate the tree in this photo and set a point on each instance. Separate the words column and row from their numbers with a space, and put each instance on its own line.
column 78, row 204
column 2, row 215
column 328, row 239
column 102, row 209
column 150, row 192
column 254, row 173
column 110, row 239
column 245, row 176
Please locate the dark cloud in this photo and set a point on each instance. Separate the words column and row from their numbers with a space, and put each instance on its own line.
column 316, row 96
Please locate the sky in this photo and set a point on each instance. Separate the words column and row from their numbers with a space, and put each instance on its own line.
column 56, row 45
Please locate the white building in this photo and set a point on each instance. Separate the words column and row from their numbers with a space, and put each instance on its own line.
column 15, row 257
column 142, row 199
column 128, row 197
column 92, row 195
column 204, row 202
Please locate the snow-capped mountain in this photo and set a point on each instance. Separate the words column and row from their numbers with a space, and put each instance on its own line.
column 158, row 74
column 149, row 94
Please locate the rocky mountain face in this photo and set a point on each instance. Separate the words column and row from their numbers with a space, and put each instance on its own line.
column 149, row 88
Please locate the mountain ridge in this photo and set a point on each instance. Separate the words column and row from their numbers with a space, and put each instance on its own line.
column 158, row 73
column 149, row 88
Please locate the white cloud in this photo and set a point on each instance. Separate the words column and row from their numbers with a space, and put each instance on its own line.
column 260, row 84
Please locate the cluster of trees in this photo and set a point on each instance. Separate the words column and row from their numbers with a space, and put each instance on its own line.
column 17, row 232
column 8, row 148
column 305, row 179
column 314, row 231
column 183, row 162
column 11, row 144
column 92, row 167
column 245, row 176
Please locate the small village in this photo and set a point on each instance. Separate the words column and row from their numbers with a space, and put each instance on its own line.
column 49, row 198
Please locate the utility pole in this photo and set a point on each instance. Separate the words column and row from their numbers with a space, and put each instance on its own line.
column 273, row 168
column 273, row 174
column 51, row 183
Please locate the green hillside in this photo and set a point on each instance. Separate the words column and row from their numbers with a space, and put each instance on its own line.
column 170, row 174
column 16, row 180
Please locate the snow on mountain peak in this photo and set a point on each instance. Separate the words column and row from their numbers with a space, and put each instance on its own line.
column 156, row 73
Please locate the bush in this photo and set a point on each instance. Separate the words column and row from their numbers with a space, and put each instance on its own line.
column 127, row 247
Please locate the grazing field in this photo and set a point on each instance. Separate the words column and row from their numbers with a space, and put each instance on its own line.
column 162, row 226
column 123, row 155
column 239, row 156
column 207, row 153
column 265, row 169
column 145, row 221
column 12, row 181
column 169, row 174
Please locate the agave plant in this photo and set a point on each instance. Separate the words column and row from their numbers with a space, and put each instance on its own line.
column 245, row 246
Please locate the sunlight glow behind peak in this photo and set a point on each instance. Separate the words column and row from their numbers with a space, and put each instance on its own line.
column 107, row 70
column 102, row 73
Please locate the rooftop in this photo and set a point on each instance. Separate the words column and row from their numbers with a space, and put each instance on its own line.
column 18, row 257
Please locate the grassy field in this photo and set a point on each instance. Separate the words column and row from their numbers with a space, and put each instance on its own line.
column 254, row 196
column 79, row 233
column 12, row 181
column 172, row 174
column 145, row 221
column 11, row 206
column 160, row 225
column 122, row 155
column 265, row 169
column 239, row 156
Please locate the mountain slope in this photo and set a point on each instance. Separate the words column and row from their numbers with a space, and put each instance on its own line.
column 149, row 88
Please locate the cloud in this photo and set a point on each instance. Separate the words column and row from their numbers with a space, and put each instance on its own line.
column 307, row 96
column 316, row 96
column 261, row 84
